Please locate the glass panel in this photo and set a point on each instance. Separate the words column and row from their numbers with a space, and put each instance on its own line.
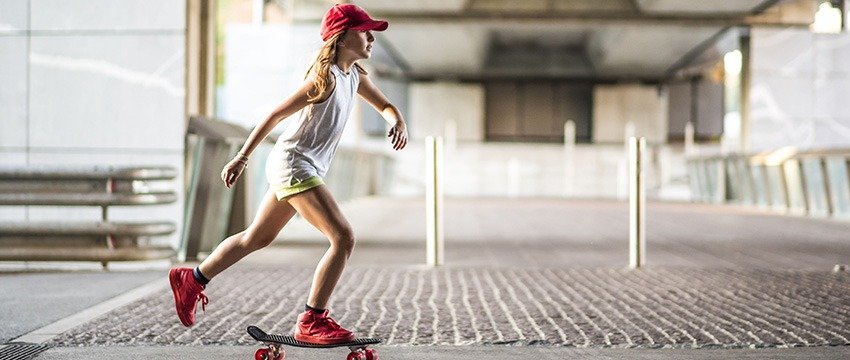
column 746, row 184
column 720, row 180
column 710, row 176
column 794, row 185
column 839, row 185
column 733, row 181
column 693, row 180
column 760, row 189
column 699, row 170
column 814, row 186
column 776, row 187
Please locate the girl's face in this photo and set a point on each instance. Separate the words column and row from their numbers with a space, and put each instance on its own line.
column 357, row 43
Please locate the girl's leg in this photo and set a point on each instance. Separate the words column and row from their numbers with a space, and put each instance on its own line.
column 319, row 208
column 186, row 287
column 271, row 217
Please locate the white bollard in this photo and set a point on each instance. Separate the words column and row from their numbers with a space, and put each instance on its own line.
column 637, row 203
column 569, row 156
column 689, row 139
column 434, row 200
column 569, row 134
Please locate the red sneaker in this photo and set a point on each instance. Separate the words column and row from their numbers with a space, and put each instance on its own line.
column 187, row 292
column 320, row 329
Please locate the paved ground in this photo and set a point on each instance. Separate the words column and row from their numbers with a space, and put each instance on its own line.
column 32, row 300
column 449, row 353
column 652, row 308
column 524, row 279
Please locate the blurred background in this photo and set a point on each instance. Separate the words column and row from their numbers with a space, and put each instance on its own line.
column 116, row 116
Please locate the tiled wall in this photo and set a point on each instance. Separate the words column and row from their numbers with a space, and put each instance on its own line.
column 800, row 89
column 93, row 83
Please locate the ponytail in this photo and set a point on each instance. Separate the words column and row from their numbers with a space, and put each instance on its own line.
column 322, row 69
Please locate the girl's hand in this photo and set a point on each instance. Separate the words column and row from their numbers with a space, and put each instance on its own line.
column 398, row 133
column 233, row 169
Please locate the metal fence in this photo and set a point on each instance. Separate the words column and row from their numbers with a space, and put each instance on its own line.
column 104, row 240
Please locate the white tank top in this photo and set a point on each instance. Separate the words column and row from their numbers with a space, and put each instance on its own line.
column 307, row 146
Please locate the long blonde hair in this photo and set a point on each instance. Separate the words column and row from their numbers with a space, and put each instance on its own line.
column 322, row 68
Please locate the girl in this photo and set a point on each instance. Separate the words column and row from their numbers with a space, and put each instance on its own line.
column 295, row 168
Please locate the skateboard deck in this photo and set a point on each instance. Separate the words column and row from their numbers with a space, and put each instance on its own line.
column 274, row 351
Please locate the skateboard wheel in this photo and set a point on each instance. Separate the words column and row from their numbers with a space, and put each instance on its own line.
column 265, row 354
column 356, row 355
column 262, row 354
column 371, row 354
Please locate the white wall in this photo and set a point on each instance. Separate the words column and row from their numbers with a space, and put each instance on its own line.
column 263, row 65
column 93, row 83
column 615, row 105
column 433, row 104
column 800, row 89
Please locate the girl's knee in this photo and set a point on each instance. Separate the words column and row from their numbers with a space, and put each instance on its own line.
column 253, row 240
column 344, row 239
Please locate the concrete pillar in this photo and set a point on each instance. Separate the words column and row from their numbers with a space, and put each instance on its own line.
column 200, row 57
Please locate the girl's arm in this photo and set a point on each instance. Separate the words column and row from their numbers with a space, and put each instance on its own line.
column 293, row 103
column 369, row 92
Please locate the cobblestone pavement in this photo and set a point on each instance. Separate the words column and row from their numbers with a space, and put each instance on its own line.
column 655, row 307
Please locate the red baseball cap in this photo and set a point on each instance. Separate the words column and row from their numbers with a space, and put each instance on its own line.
column 349, row 16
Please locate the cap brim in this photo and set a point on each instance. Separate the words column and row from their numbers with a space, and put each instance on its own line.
column 373, row 25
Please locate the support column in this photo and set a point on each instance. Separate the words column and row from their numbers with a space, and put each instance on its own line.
column 200, row 57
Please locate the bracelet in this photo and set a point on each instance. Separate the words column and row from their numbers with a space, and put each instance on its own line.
column 243, row 156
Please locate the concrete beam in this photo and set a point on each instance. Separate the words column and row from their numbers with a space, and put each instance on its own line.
column 544, row 76
column 590, row 18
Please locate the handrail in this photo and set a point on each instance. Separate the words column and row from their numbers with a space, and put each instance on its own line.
column 87, row 173
column 43, row 228
column 87, row 199
column 219, row 130
column 35, row 253
column 759, row 155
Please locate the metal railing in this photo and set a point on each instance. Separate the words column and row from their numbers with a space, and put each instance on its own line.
column 212, row 211
column 358, row 172
column 813, row 183
column 67, row 240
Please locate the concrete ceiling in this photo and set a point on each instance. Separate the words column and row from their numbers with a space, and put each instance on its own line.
column 593, row 39
column 698, row 7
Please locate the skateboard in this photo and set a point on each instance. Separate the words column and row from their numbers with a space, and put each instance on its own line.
column 274, row 351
